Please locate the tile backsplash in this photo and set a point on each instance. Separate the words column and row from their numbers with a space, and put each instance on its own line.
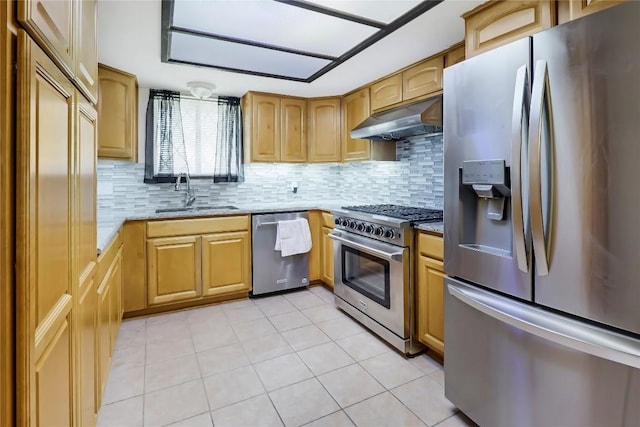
column 415, row 179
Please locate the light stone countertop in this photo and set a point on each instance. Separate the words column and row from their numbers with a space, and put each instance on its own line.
column 435, row 227
column 109, row 222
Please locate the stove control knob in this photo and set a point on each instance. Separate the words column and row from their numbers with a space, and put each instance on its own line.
column 389, row 233
column 351, row 224
column 361, row 226
column 368, row 228
column 338, row 221
column 379, row 231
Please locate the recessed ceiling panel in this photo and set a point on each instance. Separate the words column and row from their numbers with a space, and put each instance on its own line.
column 193, row 49
column 385, row 11
column 272, row 23
column 287, row 39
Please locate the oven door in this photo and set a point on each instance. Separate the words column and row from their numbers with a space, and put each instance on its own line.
column 373, row 277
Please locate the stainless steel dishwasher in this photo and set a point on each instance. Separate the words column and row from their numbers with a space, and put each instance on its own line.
column 271, row 271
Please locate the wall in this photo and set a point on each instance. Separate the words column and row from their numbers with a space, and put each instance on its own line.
column 416, row 179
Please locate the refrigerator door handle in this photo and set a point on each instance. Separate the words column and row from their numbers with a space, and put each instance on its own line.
column 552, row 327
column 519, row 130
column 539, row 96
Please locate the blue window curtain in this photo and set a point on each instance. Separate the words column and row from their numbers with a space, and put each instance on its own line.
column 228, row 165
column 164, row 136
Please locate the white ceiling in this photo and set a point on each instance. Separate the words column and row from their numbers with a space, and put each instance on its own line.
column 129, row 39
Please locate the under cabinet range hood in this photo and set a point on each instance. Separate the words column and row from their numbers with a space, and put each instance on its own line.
column 421, row 118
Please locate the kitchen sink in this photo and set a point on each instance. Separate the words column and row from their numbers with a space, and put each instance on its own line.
column 194, row 208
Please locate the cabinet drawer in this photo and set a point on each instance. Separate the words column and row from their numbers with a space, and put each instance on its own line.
column 431, row 246
column 327, row 220
column 197, row 226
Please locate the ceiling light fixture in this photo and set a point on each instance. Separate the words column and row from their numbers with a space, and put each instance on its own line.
column 201, row 90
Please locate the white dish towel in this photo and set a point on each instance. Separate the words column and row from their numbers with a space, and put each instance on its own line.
column 293, row 237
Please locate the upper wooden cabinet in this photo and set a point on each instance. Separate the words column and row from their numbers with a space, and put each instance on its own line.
column 386, row 92
column 323, row 132
column 573, row 9
column 417, row 81
column 262, row 113
column 355, row 110
column 423, row 78
column 86, row 63
column 454, row 56
column 498, row 22
column 275, row 128
column 117, row 114
column 293, row 135
column 51, row 24
column 66, row 31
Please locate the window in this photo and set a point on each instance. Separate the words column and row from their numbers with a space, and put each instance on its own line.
column 187, row 135
column 199, row 127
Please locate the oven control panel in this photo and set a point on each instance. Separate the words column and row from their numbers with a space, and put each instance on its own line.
column 370, row 229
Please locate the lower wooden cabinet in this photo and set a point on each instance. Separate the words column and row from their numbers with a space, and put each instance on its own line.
column 185, row 261
column 430, row 292
column 326, row 252
column 109, row 311
column 173, row 269
column 53, row 379
column 226, row 263
column 87, row 398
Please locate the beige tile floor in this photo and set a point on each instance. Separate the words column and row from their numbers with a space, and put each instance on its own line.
column 291, row 360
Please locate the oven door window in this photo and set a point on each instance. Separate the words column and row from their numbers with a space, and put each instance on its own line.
column 366, row 274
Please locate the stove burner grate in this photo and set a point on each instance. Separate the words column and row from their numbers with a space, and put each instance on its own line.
column 408, row 213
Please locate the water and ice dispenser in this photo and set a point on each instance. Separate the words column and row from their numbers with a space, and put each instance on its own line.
column 489, row 180
column 485, row 197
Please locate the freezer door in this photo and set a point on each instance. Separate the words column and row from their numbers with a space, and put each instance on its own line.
column 584, row 165
column 485, row 144
column 511, row 364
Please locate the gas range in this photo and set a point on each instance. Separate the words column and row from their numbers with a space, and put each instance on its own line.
column 388, row 223
column 374, row 253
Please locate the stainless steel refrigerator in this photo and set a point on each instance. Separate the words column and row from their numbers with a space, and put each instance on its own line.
column 542, row 227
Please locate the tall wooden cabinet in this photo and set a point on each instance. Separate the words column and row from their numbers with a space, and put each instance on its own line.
column 8, row 45
column 355, row 111
column 86, row 262
column 118, row 114
column 56, row 287
column 45, row 277
column 66, row 31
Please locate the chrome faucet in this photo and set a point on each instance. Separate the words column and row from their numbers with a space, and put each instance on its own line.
column 190, row 195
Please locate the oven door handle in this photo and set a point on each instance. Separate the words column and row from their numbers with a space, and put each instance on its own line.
column 392, row 256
